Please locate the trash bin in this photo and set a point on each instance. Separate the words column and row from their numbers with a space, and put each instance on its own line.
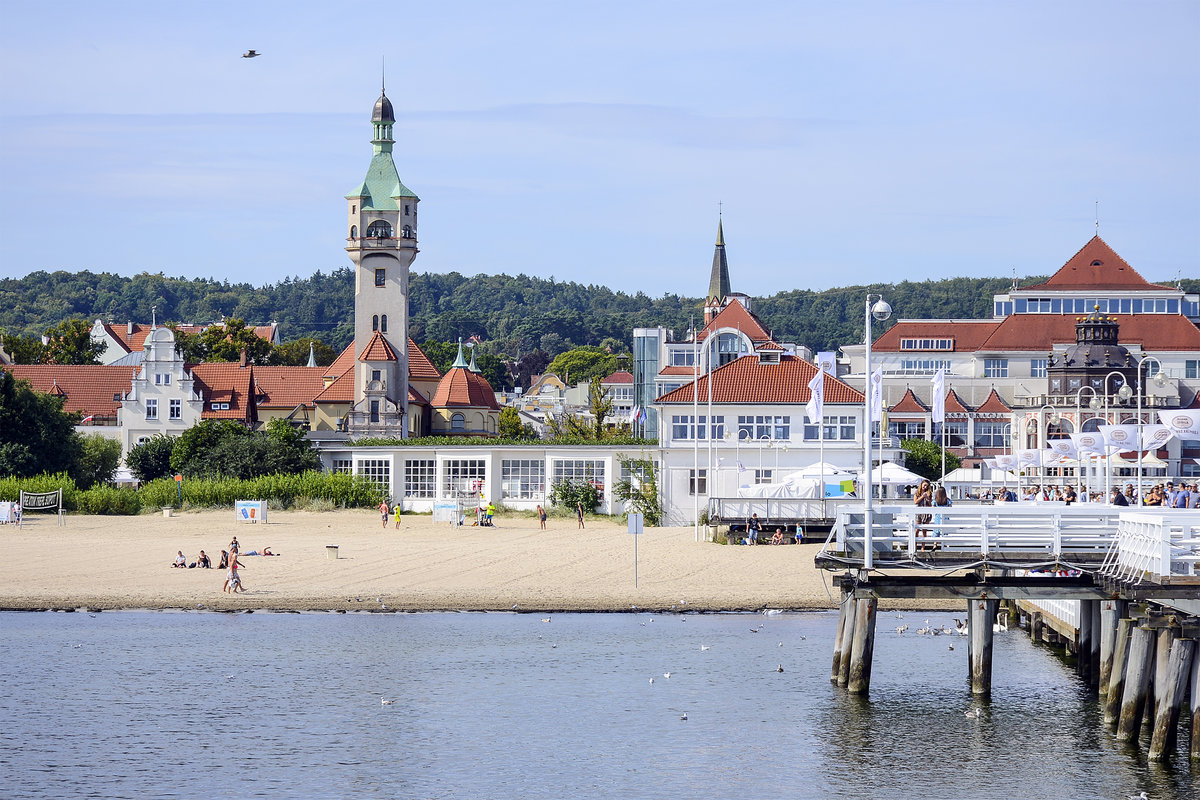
column 331, row 551
column 167, row 511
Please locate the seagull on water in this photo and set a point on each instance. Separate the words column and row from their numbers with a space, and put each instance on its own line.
column 949, row 647
column 703, row 647
column 779, row 668
column 545, row 619
column 666, row 675
column 652, row 680
column 683, row 718
column 973, row 713
column 251, row 54
column 383, row 701
column 1142, row 796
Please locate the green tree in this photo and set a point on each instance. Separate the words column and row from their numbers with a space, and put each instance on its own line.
column 511, row 426
column 640, row 489
column 583, row 364
column 36, row 435
column 151, row 459
column 925, row 458
column 224, row 449
column 289, row 449
column 226, row 342
column 98, row 460
column 23, row 349
column 194, row 452
column 70, row 342
column 295, row 353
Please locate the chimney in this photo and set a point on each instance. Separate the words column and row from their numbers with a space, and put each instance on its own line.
column 129, row 328
column 242, row 360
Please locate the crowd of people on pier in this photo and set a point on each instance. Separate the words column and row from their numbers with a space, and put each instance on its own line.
column 1171, row 494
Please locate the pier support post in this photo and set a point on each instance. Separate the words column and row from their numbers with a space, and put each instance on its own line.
column 1083, row 643
column 1035, row 627
column 1111, row 612
column 1158, row 677
column 863, row 648
column 1116, row 682
column 979, row 623
column 1094, row 653
column 837, row 640
column 1137, row 679
column 1170, row 697
column 1195, row 693
column 847, row 641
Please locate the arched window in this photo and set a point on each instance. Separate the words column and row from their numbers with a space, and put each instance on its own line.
column 725, row 348
column 375, row 322
column 458, row 422
column 383, row 324
column 379, row 229
column 408, row 232
column 353, row 231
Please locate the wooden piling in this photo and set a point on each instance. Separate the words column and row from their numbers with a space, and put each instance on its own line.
column 1035, row 627
column 1116, row 682
column 1111, row 612
column 979, row 622
column 1083, row 642
column 1137, row 679
column 1094, row 655
column 847, row 642
column 1158, row 677
column 1171, row 695
column 863, row 648
column 1195, row 693
column 843, row 610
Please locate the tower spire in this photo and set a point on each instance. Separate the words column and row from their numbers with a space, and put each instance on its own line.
column 718, row 282
column 459, row 361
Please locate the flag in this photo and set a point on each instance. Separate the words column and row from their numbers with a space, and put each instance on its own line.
column 877, row 397
column 1183, row 423
column 816, row 401
column 741, row 467
column 634, row 413
column 1088, row 443
column 1030, row 457
column 720, row 461
column 1119, row 437
column 939, row 396
column 1155, row 436
column 642, row 415
column 1064, row 447
column 88, row 418
column 826, row 361
column 1006, row 462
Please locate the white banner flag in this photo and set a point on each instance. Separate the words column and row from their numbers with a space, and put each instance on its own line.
column 634, row 413
column 877, row 395
column 1007, row 462
column 1184, row 423
column 1088, row 443
column 1155, row 436
column 939, row 396
column 1119, row 438
column 1064, row 447
column 1030, row 457
column 827, row 362
column 816, row 401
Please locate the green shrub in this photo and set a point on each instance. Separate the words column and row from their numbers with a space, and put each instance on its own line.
column 569, row 494
column 10, row 488
column 109, row 500
column 336, row 490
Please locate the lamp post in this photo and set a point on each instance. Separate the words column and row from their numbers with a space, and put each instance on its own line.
column 880, row 311
column 1093, row 404
column 766, row 437
column 1108, row 421
column 1044, row 422
column 1124, row 393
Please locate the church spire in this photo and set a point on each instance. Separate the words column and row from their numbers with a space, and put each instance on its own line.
column 459, row 361
column 718, row 282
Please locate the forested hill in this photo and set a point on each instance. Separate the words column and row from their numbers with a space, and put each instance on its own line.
column 512, row 315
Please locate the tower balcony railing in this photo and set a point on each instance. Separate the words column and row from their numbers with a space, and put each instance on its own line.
column 384, row 242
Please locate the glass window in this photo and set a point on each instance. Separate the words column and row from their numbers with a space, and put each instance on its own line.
column 682, row 358
column 683, row 427
column 523, row 479
column 151, row 408
column 420, row 477
column 995, row 368
column 763, row 476
column 378, row 470
column 176, row 409
column 580, row 469
column 458, row 422
column 1019, row 306
column 1037, row 367
column 955, row 433
column 1191, row 368
column 381, row 277
column 463, row 476
column 907, row 430
column 990, row 434
column 374, row 411
column 343, row 465
column 697, row 481
column 764, row 427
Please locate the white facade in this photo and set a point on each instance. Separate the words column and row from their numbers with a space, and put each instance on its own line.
column 161, row 398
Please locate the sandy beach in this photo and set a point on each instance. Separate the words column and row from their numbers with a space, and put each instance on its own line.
column 125, row 562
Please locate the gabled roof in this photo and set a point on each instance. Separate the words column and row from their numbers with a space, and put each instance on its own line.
column 288, row 387
column 1040, row 332
column 461, row 387
column 419, row 365
column 672, row 371
column 415, row 397
column 378, row 349
column 1097, row 267
column 968, row 335
column 619, row 377
column 747, row 380
column 909, row 404
column 735, row 316
column 718, row 280
column 955, row 404
column 340, row 391
column 88, row 389
column 994, row 405
column 225, row 383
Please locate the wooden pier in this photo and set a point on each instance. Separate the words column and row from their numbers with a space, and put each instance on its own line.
column 1117, row 588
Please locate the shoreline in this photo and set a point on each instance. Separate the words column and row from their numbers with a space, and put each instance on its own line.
column 124, row 563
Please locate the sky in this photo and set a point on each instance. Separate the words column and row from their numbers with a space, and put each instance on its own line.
column 843, row 143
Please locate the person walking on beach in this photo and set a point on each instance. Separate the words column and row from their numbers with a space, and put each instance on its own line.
column 579, row 513
column 233, row 582
column 383, row 509
column 753, row 526
column 542, row 517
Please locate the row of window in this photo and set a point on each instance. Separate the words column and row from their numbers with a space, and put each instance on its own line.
column 926, row 344
column 175, row 409
column 1070, row 305
column 520, row 479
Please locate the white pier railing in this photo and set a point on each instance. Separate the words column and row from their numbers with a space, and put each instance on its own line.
column 1065, row 610
column 1157, row 546
column 1051, row 531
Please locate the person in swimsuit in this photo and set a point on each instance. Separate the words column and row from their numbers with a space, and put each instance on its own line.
column 383, row 509
column 542, row 517
column 579, row 514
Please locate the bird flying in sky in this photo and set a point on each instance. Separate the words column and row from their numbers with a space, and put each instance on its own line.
column 251, row 54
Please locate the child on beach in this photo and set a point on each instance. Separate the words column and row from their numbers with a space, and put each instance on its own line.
column 542, row 517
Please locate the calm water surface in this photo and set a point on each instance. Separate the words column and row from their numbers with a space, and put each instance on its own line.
column 201, row 705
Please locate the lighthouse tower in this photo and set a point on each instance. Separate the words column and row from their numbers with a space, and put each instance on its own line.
column 382, row 243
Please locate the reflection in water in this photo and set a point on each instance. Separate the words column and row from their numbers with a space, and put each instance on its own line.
column 502, row 705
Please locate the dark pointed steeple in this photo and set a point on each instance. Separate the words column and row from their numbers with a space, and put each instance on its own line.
column 718, row 282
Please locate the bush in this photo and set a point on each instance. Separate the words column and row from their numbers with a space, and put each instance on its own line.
column 336, row 489
column 11, row 488
column 569, row 494
column 109, row 500
column 98, row 461
column 151, row 460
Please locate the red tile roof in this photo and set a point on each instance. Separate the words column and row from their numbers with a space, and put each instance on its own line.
column 1040, row 332
column 461, row 387
column 225, row 383
column 909, row 404
column 737, row 317
column 620, row 376
column 746, row 380
column 968, row 335
column 135, row 340
column 378, row 349
column 419, row 365
column 340, row 391
column 768, row 346
column 994, row 405
column 690, row 371
column 88, row 389
column 415, row 397
column 955, row 404
column 288, row 387
column 1096, row 267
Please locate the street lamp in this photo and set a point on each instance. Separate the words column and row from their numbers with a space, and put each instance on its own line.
column 1094, row 405
column 1044, row 422
column 1160, row 380
column 880, row 311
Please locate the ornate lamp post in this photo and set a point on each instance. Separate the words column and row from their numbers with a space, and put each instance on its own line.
column 1094, row 405
column 1124, row 393
column 880, row 311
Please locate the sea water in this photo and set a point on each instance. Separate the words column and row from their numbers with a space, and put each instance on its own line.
column 206, row 705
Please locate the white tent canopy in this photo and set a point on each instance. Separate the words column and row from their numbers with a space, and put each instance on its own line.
column 891, row 474
column 810, row 487
column 815, row 471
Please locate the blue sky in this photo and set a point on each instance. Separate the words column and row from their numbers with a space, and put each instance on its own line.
column 848, row 142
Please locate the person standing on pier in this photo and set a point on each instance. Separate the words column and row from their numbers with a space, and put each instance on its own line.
column 1118, row 499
